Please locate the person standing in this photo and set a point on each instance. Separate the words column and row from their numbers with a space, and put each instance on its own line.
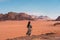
column 29, row 26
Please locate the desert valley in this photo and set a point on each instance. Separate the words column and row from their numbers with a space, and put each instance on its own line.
column 13, row 29
column 13, row 26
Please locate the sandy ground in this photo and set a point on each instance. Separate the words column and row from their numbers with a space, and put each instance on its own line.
column 11, row 29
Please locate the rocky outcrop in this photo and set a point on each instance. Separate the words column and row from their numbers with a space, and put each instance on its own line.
column 58, row 18
column 11, row 15
column 15, row 16
column 23, row 16
column 47, row 36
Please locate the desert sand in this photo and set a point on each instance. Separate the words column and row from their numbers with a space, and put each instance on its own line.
column 12, row 29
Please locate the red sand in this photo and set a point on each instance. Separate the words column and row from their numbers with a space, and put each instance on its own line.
column 11, row 29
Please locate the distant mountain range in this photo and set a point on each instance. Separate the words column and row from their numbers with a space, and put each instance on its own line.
column 15, row 16
column 21, row 16
column 44, row 17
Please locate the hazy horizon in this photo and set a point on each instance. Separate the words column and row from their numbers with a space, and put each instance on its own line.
column 49, row 8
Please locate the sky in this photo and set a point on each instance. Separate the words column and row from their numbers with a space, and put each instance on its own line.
column 49, row 8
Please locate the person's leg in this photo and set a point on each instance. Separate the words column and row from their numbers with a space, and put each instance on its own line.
column 28, row 32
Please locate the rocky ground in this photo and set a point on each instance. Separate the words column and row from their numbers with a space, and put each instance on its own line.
column 47, row 36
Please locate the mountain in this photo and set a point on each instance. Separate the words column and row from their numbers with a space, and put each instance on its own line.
column 21, row 16
column 15, row 16
column 44, row 17
column 1, row 16
column 58, row 18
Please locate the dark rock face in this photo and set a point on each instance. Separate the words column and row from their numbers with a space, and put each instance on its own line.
column 11, row 15
column 1, row 17
column 23, row 16
column 15, row 16
column 58, row 19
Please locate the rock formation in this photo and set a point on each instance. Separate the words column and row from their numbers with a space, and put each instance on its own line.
column 58, row 18
column 15, row 16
